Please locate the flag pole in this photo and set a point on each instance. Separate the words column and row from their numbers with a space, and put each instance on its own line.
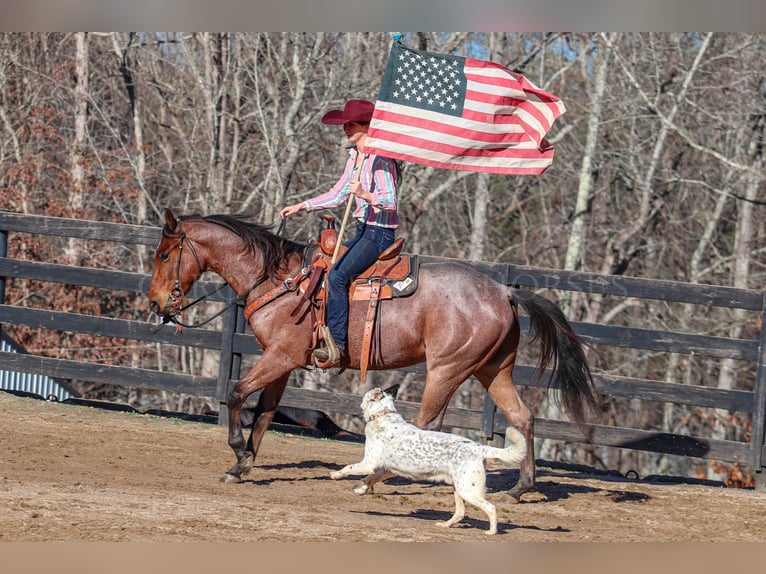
column 349, row 202
column 396, row 37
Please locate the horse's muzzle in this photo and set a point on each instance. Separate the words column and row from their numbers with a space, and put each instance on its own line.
column 166, row 311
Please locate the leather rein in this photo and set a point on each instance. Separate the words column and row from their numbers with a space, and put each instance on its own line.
column 176, row 293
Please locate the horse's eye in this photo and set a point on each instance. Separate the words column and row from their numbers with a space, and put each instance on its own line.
column 164, row 256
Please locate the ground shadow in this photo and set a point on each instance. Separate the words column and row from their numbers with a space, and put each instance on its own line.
column 499, row 482
column 306, row 464
column 466, row 523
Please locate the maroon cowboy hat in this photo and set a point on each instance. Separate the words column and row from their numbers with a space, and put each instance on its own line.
column 355, row 111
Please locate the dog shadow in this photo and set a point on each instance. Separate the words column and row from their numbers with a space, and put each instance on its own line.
column 465, row 524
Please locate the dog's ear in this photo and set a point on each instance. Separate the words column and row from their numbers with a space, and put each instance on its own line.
column 393, row 390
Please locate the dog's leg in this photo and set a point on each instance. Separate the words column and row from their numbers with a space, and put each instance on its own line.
column 361, row 467
column 470, row 485
column 459, row 512
column 489, row 509
column 370, row 481
column 475, row 495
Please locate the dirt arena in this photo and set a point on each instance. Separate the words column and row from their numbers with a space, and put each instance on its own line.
column 75, row 474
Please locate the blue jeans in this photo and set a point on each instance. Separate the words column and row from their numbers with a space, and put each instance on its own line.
column 363, row 249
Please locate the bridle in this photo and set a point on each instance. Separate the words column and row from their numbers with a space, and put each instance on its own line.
column 177, row 293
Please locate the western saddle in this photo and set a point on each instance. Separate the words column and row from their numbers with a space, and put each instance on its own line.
column 394, row 274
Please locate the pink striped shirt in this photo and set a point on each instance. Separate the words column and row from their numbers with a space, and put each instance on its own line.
column 378, row 176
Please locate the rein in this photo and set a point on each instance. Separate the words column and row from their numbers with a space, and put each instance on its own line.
column 231, row 303
column 288, row 285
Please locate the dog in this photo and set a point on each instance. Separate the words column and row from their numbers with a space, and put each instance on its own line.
column 394, row 447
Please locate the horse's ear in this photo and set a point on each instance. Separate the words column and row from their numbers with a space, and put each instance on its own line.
column 170, row 221
column 392, row 390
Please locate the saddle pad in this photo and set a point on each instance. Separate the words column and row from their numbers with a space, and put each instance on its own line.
column 400, row 281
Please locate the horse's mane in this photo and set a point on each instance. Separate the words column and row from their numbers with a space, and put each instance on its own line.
column 257, row 238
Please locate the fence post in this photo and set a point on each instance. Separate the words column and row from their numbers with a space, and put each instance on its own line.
column 488, row 418
column 3, row 253
column 758, row 437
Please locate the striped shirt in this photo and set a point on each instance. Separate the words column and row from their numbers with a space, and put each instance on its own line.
column 378, row 176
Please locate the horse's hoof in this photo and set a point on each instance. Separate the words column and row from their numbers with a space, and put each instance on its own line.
column 509, row 498
column 514, row 495
column 246, row 465
column 229, row 478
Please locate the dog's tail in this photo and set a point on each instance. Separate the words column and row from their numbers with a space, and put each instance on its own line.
column 511, row 455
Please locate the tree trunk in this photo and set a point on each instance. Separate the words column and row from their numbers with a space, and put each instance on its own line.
column 743, row 241
column 77, row 157
column 579, row 218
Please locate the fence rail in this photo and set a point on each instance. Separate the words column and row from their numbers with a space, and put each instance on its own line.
column 233, row 343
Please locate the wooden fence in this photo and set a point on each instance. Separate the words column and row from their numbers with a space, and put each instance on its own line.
column 233, row 343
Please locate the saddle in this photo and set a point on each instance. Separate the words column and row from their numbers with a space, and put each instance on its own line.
column 394, row 274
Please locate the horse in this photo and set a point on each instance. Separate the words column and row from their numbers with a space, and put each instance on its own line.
column 460, row 322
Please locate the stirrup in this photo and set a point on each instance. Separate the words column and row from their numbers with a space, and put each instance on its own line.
column 330, row 356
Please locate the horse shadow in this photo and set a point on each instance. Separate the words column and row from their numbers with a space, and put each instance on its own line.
column 499, row 482
column 303, row 465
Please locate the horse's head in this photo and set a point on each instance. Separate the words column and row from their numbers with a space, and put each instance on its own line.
column 176, row 268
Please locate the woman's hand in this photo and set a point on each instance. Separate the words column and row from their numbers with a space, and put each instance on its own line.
column 292, row 209
column 355, row 188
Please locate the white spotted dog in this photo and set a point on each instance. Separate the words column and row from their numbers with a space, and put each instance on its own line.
column 395, row 447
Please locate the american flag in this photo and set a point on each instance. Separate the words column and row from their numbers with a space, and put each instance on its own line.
column 461, row 113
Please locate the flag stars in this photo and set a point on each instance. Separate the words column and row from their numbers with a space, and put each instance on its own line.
column 428, row 82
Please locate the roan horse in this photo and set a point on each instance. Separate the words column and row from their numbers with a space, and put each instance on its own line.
column 459, row 321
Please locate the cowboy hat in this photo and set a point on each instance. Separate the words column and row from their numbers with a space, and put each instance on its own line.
column 359, row 111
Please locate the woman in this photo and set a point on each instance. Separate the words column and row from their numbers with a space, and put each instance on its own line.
column 372, row 181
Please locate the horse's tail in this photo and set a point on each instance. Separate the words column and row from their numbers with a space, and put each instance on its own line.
column 560, row 345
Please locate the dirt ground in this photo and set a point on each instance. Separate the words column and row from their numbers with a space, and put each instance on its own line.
column 72, row 473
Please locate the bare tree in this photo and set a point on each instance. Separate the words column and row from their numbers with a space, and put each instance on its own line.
column 77, row 156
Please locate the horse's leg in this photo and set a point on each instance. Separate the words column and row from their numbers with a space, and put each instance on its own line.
column 506, row 396
column 441, row 383
column 264, row 414
column 272, row 381
column 440, row 388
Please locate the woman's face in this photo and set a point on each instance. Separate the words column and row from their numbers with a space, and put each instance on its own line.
column 355, row 131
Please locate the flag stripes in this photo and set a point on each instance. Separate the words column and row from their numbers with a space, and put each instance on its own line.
column 461, row 113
